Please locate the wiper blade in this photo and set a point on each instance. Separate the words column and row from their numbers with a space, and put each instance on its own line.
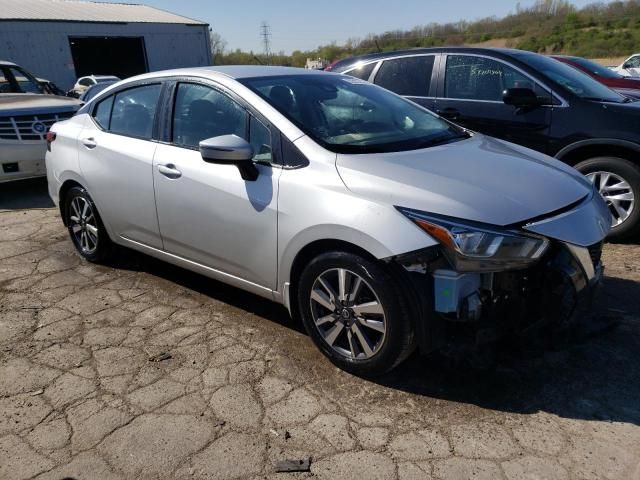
column 441, row 140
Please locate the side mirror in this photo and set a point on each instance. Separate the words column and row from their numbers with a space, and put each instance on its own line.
column 230, row 150
column 520, row 97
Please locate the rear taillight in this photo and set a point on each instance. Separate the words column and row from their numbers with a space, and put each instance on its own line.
column 51, row 136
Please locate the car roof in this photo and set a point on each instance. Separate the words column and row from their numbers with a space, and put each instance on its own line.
column 4, row 62
column 237, row 72
column 504, row 52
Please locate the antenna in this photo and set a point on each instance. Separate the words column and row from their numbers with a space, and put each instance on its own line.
column 265, row 33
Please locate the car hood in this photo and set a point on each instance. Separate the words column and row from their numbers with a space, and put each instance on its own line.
column 31, row 103
column 479, row 179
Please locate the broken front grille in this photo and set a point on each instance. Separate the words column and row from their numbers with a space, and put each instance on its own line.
column 30, row 127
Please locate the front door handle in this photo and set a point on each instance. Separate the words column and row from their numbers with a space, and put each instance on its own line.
column 90, row 143
column 169, row 170
column 450, row 113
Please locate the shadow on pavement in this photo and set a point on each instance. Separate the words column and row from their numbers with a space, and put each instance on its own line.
column 23, row 194
column 597, row 378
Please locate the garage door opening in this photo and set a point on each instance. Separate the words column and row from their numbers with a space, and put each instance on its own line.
column 119, row 56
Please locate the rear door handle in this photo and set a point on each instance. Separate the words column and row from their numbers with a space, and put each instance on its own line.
column 89, row 142
column 169, row 170
column 450, row 113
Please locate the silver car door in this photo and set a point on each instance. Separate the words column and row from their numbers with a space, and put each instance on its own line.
column 207, row 213
column 116, row 155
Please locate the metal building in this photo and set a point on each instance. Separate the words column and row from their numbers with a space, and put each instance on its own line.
column 61, row 40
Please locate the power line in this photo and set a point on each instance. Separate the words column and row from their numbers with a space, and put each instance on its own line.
column 265, row 33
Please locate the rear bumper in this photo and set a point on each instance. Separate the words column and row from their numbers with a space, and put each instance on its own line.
column 19, row 160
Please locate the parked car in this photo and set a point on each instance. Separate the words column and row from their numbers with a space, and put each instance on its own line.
column 627, row 86
column 528, row 99
column 84, row 83
column 94, row 90
column 378, row 223
column 630, row 67
column 26, row 113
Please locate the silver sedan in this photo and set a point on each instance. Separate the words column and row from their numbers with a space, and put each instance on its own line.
column 380, row 225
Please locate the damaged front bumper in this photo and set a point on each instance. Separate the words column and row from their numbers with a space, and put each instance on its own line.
column 486, row 307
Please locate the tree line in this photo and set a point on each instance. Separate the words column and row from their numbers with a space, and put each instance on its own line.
column 549, row 26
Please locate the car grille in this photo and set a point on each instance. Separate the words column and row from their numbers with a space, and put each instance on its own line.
column 30, row 127
column 595, row 252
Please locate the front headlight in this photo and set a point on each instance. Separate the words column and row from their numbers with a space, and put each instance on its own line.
column 479, row 248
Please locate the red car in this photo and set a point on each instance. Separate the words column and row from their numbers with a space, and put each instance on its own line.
column 624, row 85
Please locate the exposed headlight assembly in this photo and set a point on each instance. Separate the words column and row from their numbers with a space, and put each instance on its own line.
column 474, row 248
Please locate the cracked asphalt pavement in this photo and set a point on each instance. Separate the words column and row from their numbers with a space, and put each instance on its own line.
column 142, row 370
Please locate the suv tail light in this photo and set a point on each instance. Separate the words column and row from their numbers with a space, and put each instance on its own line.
column 51, row 136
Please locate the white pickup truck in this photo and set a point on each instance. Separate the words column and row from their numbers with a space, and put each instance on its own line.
column 26, row 114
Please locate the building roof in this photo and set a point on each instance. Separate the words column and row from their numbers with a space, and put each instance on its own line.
column 86, row 11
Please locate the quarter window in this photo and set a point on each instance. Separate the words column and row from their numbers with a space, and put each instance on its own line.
column 480, row 78
column 409, row 76
column 134, row 110
column 200, row 112
column 102, row 113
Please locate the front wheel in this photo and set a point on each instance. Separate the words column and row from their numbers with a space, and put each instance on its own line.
column 355, row 313
column 618, row 181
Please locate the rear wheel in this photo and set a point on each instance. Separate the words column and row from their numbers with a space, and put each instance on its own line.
column 618, row 181
column 354, row 312
column 85, row 226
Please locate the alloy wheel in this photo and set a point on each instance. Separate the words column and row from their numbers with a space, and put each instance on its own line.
column 348, row 314
column 83, row 225
column 617, row 192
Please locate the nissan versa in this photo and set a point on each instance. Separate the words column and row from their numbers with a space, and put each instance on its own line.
column 378, row 223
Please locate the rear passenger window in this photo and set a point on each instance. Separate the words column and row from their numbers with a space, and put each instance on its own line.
column 102, row 113
column 134, row 110
column 409, row 76
column 363, row 72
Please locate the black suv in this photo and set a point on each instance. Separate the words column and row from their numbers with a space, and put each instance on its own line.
column 528, row 99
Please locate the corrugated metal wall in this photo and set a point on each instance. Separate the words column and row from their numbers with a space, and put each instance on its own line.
column 43, row 47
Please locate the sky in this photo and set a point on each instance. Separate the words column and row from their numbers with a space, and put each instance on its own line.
column 304, row 25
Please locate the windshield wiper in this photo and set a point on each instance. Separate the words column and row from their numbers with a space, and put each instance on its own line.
column 443, row 139
column 598, row 99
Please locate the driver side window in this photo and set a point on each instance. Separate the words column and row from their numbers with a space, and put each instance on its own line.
column 200, row 112
column 470, row 77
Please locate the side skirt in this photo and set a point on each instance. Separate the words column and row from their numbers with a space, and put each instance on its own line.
column 202, row 269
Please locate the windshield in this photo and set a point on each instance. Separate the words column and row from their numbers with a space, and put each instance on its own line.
column 15, row 80
column 595, row 68
column 571, row 79
column 348, row 115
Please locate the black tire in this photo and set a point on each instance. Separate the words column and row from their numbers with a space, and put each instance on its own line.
column 398, row 340
column 630, row 228
column 94, row 248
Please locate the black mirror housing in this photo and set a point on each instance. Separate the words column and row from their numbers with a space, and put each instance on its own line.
column 520, row 98
column 230, row 150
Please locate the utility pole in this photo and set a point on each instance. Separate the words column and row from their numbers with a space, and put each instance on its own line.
column 265, row 33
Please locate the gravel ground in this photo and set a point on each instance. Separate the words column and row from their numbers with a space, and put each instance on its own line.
column 143, row 370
